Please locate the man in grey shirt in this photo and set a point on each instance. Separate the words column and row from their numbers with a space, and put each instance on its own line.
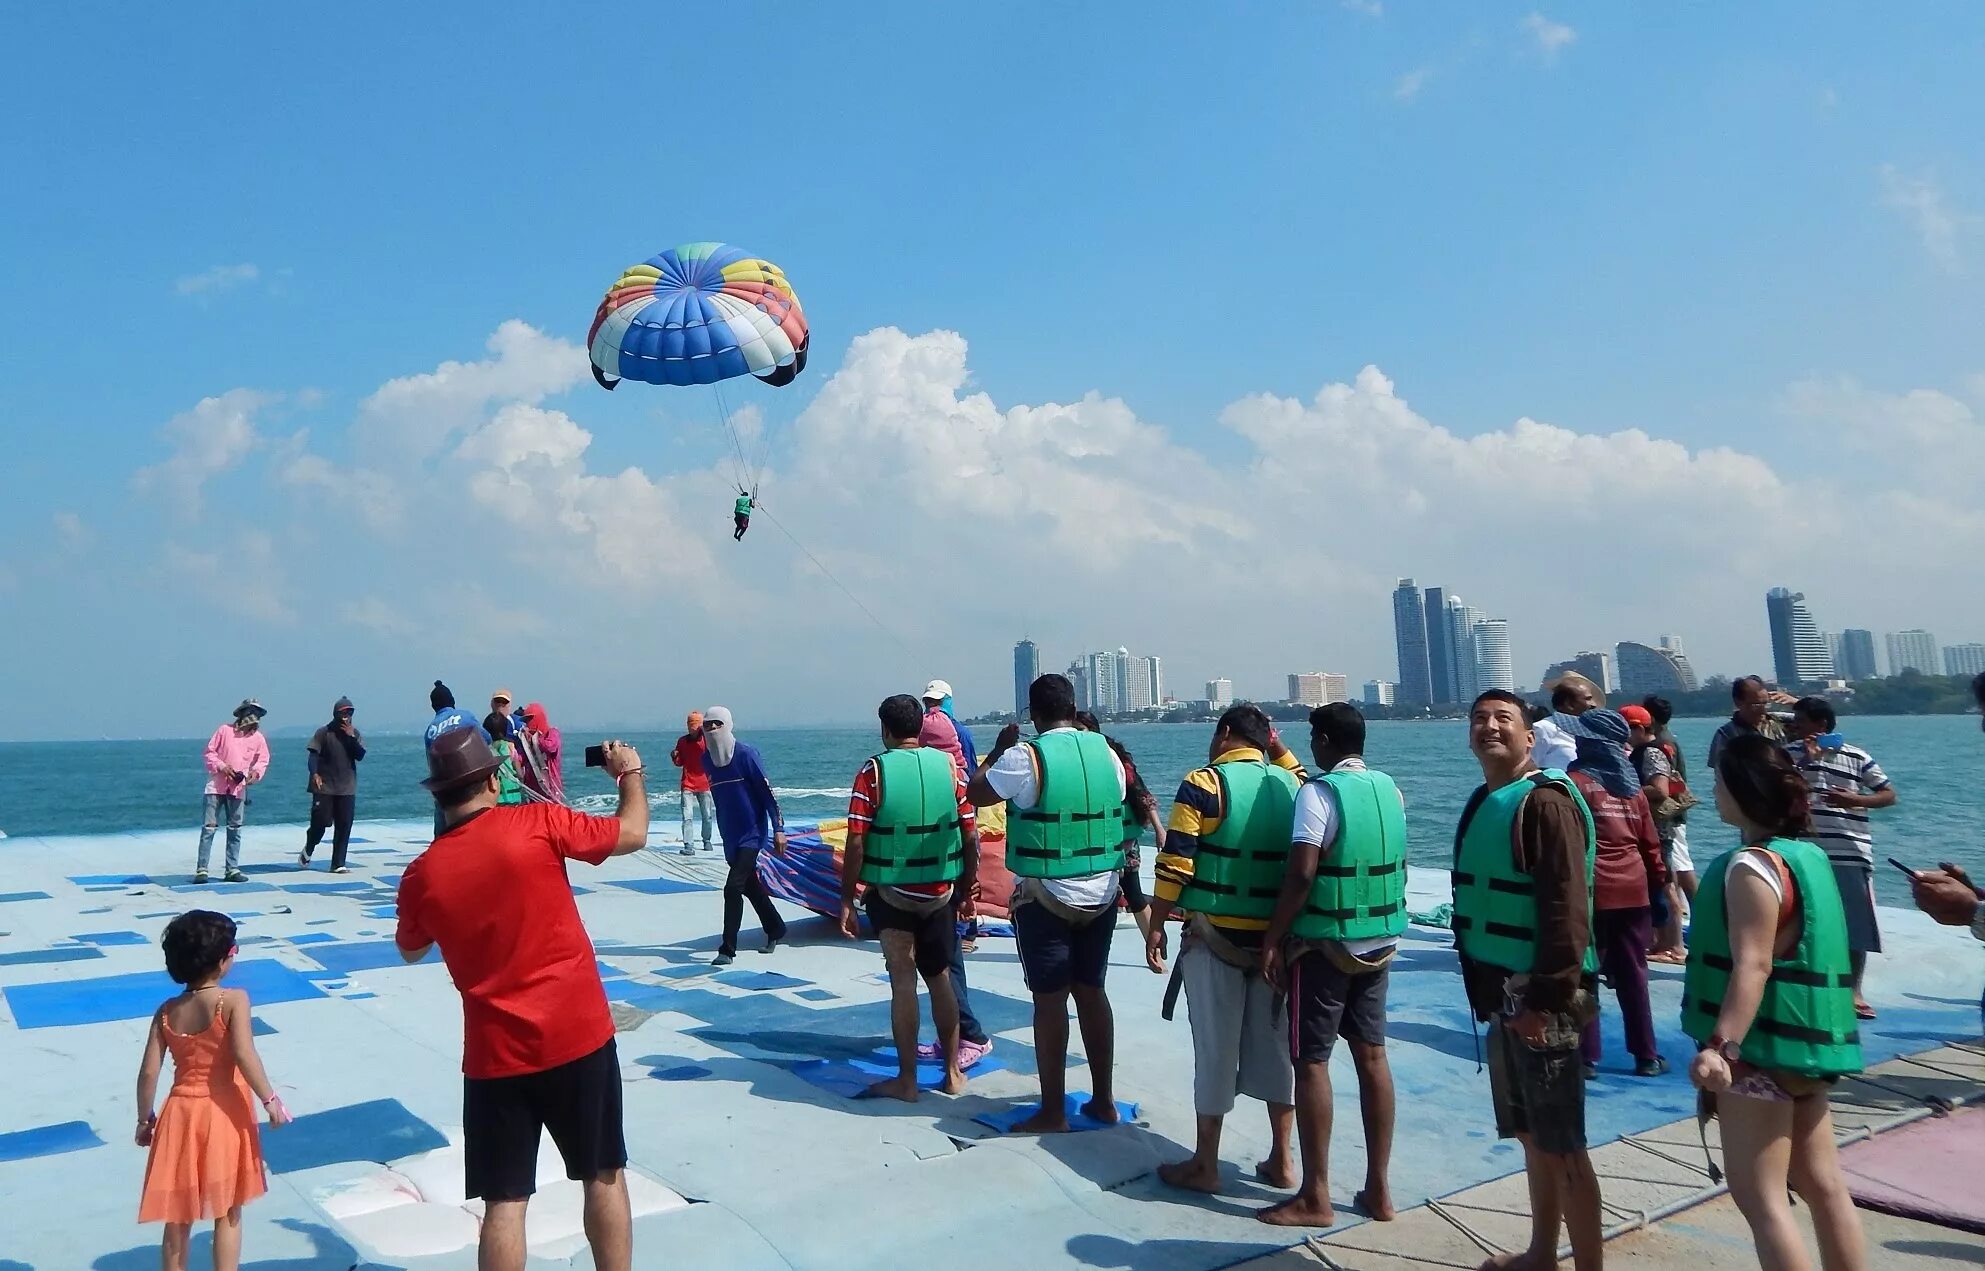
column 335, row 752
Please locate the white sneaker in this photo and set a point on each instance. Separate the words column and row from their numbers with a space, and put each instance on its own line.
column 340, row 869
column 303, row 860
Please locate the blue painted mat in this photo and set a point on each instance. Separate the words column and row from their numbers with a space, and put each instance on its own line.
column 851, row 1077
column 219, row 888
column 11, row 896
column 67, row 953
column 759, row 981
column 328, row 889
column 377, row 1131
column 362, row 955
column 48, row 1140
column 311, row 937
column 660, row 886
column 118, row 880
column 105, row 938
column 135, row 996
column 1004, row 1119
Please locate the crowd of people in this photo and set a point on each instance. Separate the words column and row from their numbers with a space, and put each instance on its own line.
column 1571, row 865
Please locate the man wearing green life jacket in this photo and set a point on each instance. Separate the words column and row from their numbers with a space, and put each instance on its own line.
column 1330, row 946
column 1064, row 844
column 1225, row 845
column 741, row 514
column 912, row 843
column 1769, row 996
column 1523, row 863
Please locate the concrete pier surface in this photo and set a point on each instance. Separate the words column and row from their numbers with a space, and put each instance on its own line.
column 746, row 1151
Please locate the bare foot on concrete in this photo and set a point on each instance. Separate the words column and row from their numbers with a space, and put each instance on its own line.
column 1376, row 1204
column 1191, row 1176
column 1046, row 1121
column 1525, row 1261
column 904, row 1088
column 1300, row 1211
column 1277, row 1172
column 954, row 1081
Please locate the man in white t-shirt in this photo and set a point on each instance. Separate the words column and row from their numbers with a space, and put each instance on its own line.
column 1573, row 695
column 1063, row 924
column 1335, row 987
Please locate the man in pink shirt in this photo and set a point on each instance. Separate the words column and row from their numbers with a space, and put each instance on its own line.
column 237, row 757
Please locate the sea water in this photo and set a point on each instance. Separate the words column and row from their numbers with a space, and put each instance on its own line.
column 1936, row 762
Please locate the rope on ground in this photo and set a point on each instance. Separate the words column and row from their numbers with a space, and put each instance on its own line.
column 852, row 597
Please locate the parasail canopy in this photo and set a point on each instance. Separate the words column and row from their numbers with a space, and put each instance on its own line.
column 699, row 314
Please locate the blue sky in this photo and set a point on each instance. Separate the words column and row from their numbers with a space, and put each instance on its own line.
column 1746, row 230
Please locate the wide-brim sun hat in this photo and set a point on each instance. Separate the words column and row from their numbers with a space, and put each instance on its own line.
column 459, row 757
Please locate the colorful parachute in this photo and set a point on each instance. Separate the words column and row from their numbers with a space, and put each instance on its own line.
column 699, row 314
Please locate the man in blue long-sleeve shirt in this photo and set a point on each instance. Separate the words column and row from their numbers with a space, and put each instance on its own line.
column 748, row 820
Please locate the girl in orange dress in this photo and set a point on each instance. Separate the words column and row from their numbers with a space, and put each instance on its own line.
column 206, row 1160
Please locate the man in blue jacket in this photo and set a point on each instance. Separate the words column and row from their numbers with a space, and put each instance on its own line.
column 748, row 820
column 447, row 718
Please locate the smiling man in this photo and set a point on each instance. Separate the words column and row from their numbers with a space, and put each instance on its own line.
column 1523, row 863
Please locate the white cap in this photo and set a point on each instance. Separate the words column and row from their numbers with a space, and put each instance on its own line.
column 936, row 691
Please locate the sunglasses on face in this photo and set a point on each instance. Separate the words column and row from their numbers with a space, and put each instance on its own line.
column 712, row 725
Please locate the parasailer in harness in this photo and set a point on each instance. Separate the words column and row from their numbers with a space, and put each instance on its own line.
column 741, row 514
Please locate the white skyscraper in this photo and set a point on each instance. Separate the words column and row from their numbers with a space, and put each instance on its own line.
column 1138, row 683
column 1105, row 673
column 1493, row 668
column 1378, row 692
column 1157, row 679
column 1220, row 694
column 1964, row 659
column 1914, row 650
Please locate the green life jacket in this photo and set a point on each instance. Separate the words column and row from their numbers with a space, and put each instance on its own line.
column 743, row 505
column 1495, row 904
column 1805, row 1023
column 509, row 786
column 1077, row 826
column 1238, row 870
column 915, row 837
column 1360, row 891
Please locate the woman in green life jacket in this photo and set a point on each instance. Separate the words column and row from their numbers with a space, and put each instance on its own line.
column 1769, row 996
column 503, row 744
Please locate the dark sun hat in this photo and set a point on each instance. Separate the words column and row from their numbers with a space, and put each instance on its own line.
column 459, row 758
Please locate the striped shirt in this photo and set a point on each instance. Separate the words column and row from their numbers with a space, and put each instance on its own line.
column 1197, row 812
column 1843, row 832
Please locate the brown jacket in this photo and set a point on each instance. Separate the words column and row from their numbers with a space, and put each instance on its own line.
column 1549, row 845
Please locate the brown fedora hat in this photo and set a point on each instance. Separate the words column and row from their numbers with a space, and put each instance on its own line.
column 457, row 758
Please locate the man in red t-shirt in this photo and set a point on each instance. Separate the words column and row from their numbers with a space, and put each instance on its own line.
column 537, row 1038
column 688, row 756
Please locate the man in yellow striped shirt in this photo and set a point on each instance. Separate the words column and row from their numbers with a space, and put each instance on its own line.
column 1226, row 848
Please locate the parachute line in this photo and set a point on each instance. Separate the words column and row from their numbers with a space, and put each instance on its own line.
column 829, row 574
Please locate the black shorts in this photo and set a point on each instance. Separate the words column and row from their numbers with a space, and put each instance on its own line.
column 503, row 1118
column 1539, row 1092
column 935, row 934
column 1326, row 1001
column 1056, row 954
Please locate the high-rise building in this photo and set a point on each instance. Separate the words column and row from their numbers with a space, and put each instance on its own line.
column 1140, row 684
column 1964, row 659
column 1409, row 634
column 1078, row 675
column 1597, row 667
column 1441, row 650
column 1378, row 692
column 1220, row 694
column 1105, row 674
column 1857, row 655
column 1462, row 619
column 1912, row 650
column 1157, row 670
column 1493, row 667
column 1315, row 688
column 1026, row 669
column 1640, row 669
column 1798, row 651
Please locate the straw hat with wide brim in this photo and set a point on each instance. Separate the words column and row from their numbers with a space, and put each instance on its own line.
column 458, row 758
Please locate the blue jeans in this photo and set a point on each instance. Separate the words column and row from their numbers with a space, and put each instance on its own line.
column 215, row 805
column 698, row 801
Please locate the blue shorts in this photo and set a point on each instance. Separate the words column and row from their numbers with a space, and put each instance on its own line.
column 1056, row 953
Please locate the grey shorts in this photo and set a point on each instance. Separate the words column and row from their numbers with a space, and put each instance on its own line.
column 1240, row 1042
column 1327, row 1002
column 1539, row 1093
column 1857, row 899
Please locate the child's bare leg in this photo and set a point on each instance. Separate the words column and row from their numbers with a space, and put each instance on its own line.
column 172, row 1249
column 227, row 1240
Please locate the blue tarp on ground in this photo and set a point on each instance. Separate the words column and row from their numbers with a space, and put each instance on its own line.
column 135, row 996
column 381, row 1130
column 48, row 1140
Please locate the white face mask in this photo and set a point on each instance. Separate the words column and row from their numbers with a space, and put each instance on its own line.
column 722, row 739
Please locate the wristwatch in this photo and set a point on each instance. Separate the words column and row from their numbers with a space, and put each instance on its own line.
column 1731, row 1051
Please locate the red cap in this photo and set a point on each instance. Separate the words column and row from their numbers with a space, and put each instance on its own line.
column 1637, row 716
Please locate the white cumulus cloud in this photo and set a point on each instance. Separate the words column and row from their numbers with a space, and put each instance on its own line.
column 218, row 278
column 244, row 576
column 212, row 437
column 1551, row 37
column 1943, row 228
column 417, row 416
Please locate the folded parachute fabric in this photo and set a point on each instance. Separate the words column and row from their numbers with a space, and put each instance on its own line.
column 1441, row 915
column 1004, row 1119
